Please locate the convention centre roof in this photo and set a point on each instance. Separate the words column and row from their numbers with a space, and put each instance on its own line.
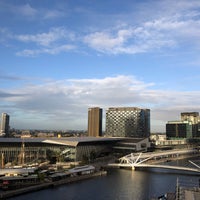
column 65, row 141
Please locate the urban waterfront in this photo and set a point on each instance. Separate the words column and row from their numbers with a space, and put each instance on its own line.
column 119, row 184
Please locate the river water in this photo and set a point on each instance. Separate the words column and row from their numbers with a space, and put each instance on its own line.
column 119, row 184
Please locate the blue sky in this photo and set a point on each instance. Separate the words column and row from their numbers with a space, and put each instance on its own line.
column 58, row 58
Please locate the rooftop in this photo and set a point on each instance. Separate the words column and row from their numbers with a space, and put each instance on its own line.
column 70, row 141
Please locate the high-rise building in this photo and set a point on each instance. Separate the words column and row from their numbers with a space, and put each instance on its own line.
column 95, row 122
column 128, row 122
column 5, row 124
column 194, row 119
column 179, row 129
column 187, row 127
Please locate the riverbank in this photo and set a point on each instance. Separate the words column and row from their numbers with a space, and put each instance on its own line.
column 12, row 193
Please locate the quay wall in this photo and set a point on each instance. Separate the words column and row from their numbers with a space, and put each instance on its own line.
column 11, row 193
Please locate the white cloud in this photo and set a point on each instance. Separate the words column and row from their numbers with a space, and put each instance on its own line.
column 26, row 10
column 46, row 39
column 52, row 42
column 106, row 42
column 52, row 14
column 52, row 51
column 161, row 25
column 130, row 41
column 70, row 99
column 171, row 25
column 23, row 10
column 169, row 32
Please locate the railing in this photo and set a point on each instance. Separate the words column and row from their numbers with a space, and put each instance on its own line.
column 143, row 160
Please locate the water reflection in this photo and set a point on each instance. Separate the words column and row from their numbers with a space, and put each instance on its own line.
column 117, row 185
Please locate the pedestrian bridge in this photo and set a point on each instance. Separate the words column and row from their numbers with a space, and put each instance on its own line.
column 171, row 167
column 149, row 160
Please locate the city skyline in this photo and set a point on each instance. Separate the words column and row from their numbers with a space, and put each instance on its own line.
column 58, row 58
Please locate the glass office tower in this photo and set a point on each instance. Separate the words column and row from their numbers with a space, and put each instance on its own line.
column 178, row 129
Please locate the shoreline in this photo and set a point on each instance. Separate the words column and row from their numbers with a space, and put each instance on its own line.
column 68, row 180
column 21, row 191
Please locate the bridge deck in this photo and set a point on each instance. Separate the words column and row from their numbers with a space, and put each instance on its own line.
column 169, row 167
column 164, row 154
column 140, row 160
column 124, row 165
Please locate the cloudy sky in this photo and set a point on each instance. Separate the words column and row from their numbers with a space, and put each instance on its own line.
column 58, row 58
